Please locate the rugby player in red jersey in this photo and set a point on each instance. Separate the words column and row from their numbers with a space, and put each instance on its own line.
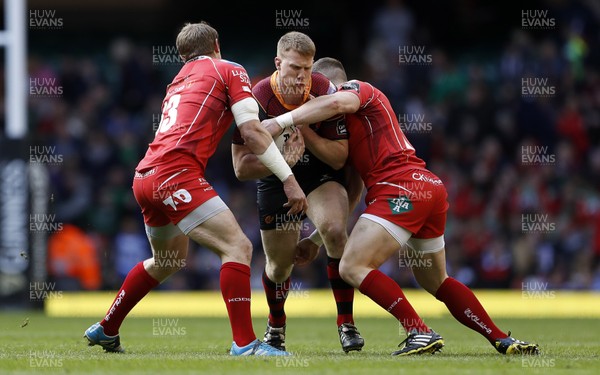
column 406, row 207
column 319, row 170
column 178, row 203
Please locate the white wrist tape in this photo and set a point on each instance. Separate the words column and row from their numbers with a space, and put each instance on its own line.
column 315, row 237
column 273, row 160
column 285, row 120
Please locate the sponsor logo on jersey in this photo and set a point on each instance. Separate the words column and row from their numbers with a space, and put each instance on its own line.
column 421, row 177
column 350, row 85
column 400, row 205
column 325, row 177
column 242, row 74
column 341, row 128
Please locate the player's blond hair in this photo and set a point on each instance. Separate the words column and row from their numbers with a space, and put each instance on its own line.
column 196, row 39
column 296, row 41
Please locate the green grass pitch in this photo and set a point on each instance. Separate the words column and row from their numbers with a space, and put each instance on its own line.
column 200, row 345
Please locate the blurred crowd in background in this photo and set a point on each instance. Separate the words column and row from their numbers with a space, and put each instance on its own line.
column 508, row 160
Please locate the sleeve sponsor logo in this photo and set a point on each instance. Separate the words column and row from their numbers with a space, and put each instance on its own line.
column 350, row 85
column 244, row 78
column 341, row 128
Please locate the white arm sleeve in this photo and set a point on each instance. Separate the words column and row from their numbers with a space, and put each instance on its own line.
column 245, row 110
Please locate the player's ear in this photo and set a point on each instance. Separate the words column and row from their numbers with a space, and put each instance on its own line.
column 277, row 63
column 217, row 46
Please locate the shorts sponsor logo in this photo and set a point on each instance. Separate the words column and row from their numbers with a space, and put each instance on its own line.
column 422, row 177
column 400, row 205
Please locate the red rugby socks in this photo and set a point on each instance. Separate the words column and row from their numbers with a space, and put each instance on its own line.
column 466, row 308
column 235, row 288
column 136, row 285
column 387, row 293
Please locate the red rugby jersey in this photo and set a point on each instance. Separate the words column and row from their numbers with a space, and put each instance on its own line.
column 378, row 149
column 196, row 111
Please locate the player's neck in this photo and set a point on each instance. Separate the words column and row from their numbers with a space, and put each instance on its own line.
column 289, row 95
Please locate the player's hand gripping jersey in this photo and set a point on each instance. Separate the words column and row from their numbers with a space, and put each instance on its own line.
column 309, row 171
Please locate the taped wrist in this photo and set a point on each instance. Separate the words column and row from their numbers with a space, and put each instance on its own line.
column 274, row 161
column 285, row 120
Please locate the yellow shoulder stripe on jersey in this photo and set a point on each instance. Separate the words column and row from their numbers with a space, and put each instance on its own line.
column 279, row 96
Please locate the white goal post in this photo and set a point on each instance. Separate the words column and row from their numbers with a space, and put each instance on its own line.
column 14, row 41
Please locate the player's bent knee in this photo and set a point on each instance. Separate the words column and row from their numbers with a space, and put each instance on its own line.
column 278, row 273
column 240, row 250
column 348, row 272
column 334, row 235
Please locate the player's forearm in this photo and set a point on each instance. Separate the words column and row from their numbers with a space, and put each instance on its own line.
column 332, row 153
column 250, row 168
column 260, row 142
column 319, row 109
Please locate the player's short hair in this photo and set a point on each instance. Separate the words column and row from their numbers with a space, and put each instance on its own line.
column 296, row 41
column 331, row 68
column 196, row 39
